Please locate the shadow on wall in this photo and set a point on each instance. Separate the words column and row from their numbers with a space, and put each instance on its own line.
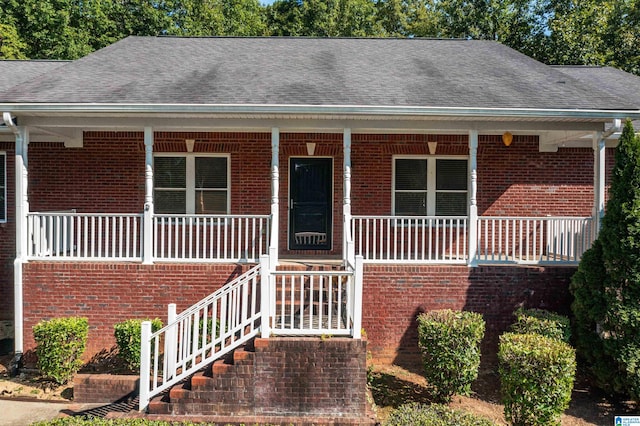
column 495, row 292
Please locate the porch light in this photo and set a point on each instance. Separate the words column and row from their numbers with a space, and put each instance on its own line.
column 432, row 147
column 507, row 138
column 189, row 143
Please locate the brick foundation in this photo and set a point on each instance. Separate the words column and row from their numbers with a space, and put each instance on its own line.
column 395, row 295
column 104, row 388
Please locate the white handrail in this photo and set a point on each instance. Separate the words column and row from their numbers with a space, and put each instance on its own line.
column 410, row 239
column 534, row 240
column 199, row 335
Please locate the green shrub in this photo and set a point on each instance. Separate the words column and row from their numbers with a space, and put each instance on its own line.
column 536, row 374
column 545, row 323
column 415, row 414
column 127, row 334
column 450, row 345
column 60, row 343
column 606, row 287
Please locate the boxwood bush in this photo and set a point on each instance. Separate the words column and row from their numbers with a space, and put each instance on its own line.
column 127, row 335
column 60, row 343
column 415, row 414
column 540, row 321
column 536, row 376
column 450, row 345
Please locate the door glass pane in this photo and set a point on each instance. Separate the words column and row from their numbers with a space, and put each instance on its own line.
column 169, row 202
column 411, row 203
column 451, row 175
column 211, row 172
column 170, row 172
column 211, row 202
column 411, row 174
column 451, row 204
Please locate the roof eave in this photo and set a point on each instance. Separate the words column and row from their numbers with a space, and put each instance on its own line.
column 355, row 110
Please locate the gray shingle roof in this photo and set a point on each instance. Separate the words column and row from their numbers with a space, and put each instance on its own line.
column 13, row 73
column 609, row 79
column 313, row 71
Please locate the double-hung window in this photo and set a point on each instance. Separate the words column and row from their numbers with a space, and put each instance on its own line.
column 430, row 186
column 191, row 184
column 3, row 187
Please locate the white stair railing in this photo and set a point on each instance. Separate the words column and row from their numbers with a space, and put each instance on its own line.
column 201, row 334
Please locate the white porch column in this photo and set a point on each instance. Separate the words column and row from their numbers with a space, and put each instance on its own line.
column 599, row 169
column 348, row 251
column 275, row 204
column 473, row 206
column 22, row 210
column 147, row 249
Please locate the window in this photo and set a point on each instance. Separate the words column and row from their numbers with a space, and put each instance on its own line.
column 430, row 186
column 3, row 187
column 191, row 184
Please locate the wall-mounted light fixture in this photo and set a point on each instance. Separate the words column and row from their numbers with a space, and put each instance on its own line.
column 311, row 148
column 432, row 147
column 507, row 138
column 189, row 143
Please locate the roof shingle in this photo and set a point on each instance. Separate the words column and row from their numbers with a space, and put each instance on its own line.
column 313, row 71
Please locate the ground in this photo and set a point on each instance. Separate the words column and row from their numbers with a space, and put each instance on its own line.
column 390, row 387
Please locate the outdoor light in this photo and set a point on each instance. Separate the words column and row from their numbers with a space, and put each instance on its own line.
column 507, row 138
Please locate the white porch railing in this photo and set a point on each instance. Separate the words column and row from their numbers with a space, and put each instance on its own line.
column 88, row 236
column 201, row 334
column 405, row 239
column 113, row 236
column 534, row 240
column 316, row 302
column 227, row 238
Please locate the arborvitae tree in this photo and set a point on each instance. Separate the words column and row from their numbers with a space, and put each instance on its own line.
column 606, row 287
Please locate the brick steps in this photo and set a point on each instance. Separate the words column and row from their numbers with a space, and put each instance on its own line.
column 221, row 388
column 301, row 380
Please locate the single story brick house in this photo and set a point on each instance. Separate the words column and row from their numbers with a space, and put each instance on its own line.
column 382, row 177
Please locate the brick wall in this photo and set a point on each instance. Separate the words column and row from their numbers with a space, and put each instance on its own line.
column 310, row 375
column 110, row 293
column 394, row 296
column 8, row 237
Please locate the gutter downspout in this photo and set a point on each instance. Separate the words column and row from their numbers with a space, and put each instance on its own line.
column 21, row 136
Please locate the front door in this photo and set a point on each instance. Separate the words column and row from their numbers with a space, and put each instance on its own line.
column 310, row 203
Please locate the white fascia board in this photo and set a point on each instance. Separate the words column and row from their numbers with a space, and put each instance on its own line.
column 356, row 110
column 61, row 124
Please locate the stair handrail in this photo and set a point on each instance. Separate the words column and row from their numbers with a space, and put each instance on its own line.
column 190, row 340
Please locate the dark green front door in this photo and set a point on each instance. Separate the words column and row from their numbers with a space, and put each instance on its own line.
column 310, row 204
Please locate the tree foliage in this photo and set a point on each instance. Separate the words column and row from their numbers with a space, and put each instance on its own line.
column 591, row 32
column 606, row 286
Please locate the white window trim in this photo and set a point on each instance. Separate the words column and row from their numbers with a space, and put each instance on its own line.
column 431, row 179
column 191, row 176
column 4, row 182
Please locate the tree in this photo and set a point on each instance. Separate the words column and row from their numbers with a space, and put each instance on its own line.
column 606, row 287
column 11, row 47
